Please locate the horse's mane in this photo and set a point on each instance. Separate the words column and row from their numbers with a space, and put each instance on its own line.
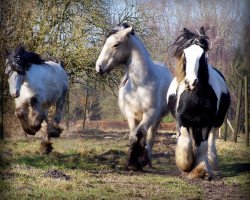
column 186, row 39
column 23, row 59
column 117, row 28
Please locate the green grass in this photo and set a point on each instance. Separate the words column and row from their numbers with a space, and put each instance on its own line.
column 96, row 167
column 168, row 119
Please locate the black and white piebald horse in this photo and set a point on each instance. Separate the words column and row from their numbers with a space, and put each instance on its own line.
column 199, row 99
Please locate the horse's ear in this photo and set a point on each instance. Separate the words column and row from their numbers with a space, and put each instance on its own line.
column 187, row 34
column 6, row 53
column 186, row 31
column 127, row 31
column 202, row 31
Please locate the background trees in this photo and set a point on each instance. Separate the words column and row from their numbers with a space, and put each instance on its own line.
column 74, row 30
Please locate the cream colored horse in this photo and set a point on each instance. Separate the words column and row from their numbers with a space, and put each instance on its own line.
column 142, row 93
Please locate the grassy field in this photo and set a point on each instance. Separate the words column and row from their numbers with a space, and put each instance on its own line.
column 91, row 166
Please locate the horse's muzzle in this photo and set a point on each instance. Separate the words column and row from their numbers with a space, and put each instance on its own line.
column 101, row 71
column 192, row 85
column 15, row 95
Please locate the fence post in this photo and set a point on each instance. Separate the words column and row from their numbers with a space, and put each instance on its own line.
column 67, row 111
column 225, row 128
column 246, row 111
column 238, row 112
column 1, row 105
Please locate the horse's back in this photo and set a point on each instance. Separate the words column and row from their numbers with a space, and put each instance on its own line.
column 217, row 81
column 49, row 80
column 163, row 74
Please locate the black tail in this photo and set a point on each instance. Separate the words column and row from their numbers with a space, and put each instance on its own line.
column 62, row 64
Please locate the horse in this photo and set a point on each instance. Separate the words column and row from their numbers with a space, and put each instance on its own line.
column 142, row 92
column 199, row 99
column 36, row 85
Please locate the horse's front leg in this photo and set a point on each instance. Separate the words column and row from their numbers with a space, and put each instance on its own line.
column 37, row 114
column 202, row 166
column 184, row 150
column 22, row 113
column 138, row 154
column 46, row 146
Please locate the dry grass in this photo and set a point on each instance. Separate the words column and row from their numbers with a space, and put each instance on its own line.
column 95, row 162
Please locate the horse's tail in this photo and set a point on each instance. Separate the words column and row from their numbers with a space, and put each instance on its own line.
column 61, row 63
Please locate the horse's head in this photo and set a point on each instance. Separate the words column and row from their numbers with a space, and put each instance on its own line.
column 15, row 71
column 115, row 50
column 191, row 51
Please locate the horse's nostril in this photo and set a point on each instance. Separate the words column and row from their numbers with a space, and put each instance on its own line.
column 99, row 69
column 195, row 82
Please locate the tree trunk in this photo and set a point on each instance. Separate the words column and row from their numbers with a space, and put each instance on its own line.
column 246, row 112
column 238, row 112
column 67, row 112
column 85, row 109
column 225, row 130
column 1, row 106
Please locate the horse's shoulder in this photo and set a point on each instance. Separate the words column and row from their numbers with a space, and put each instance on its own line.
column 162, row 70
column 215, row 70
column 215, row 76
column 172, row 90
column 217, row 81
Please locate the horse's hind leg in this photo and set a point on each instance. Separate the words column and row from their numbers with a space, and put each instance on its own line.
column 212, row 152
column 54, row 129
column 150, row 141
column 184, row 150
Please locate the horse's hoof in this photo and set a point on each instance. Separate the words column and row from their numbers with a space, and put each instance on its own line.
column 197, row 173
column 54, row 131
column 46, row 147
column 138, row 158
column 29, row 131
column 207, row 177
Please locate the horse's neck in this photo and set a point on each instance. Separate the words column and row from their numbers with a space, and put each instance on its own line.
column 203, row 75
column 139, row 63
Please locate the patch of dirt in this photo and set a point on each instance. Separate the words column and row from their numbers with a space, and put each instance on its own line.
column 7, row 175
column 217, row 189
column 57, row 174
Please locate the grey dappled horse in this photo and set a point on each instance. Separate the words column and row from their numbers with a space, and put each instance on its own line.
column 36, row 85
column 142, row 93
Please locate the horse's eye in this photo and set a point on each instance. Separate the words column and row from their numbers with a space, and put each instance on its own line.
column 116, row 45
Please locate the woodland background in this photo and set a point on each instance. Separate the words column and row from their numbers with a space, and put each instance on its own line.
column 74, row 30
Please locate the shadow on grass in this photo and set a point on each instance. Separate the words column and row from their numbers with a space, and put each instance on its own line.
column 109, row 159
column 98, row 134
column 108, row 162
column 5, row 164
column 230, row 170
